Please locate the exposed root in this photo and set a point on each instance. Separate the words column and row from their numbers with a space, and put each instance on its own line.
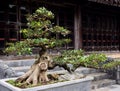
column 43, row 77
column 26, row 75
column 36, row 74
column 33, row 77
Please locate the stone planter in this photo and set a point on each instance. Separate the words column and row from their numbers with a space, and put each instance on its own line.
column 83, row 84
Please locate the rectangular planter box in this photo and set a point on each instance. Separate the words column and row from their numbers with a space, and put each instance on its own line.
column 83, row 84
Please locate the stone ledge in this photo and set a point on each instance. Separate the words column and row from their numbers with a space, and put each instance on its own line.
column 73, row 85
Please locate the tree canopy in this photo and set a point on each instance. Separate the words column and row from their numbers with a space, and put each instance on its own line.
column 41, row 32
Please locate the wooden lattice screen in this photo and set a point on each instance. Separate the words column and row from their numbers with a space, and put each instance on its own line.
column 100, row 30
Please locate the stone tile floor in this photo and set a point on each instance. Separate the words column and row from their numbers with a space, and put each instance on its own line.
column 114, row 88
column 110, row 88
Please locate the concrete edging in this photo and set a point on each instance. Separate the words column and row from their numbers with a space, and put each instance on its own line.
column 73, row 85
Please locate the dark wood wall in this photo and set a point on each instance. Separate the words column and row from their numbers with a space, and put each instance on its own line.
column 13, row 17
column 93, row 26
column 101, row 27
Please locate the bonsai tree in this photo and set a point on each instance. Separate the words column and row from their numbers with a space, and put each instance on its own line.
column 41, row 33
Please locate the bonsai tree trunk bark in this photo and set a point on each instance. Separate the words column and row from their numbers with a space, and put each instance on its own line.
column 38, row 71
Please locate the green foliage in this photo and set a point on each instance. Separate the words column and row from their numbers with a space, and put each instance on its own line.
column 111, row 65
column 94, row 60
column 69, row 57
column 11, row 82
column 40, row 32
column 78, row 58
column 59, row 30
column 18, row 84
column 18, row 48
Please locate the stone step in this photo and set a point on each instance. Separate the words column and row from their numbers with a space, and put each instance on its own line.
column 101, row 89
column 99, row 76
column 102, row 83
column 115, row 87
column 19, row 63
column 21, row 68
column 85, row 70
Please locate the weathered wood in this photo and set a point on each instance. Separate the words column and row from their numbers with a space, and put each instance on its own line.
column 78, row 27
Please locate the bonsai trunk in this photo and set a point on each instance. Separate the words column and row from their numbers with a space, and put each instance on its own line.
column 38, row 71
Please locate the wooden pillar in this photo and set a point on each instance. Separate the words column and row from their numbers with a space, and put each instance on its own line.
column 77, row 28
column 18, row 19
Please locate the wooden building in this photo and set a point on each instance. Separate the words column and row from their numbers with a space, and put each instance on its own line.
column 95, row 24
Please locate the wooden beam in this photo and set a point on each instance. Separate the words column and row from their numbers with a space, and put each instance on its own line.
column 77, row 28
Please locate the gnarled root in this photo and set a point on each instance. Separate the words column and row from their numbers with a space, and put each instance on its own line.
column 36, row 74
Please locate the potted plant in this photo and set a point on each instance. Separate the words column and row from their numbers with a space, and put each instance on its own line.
column 42, row 33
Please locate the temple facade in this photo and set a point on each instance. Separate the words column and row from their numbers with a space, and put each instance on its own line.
column 94, row 24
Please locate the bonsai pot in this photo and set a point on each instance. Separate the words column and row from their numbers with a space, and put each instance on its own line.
column 83, row 84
